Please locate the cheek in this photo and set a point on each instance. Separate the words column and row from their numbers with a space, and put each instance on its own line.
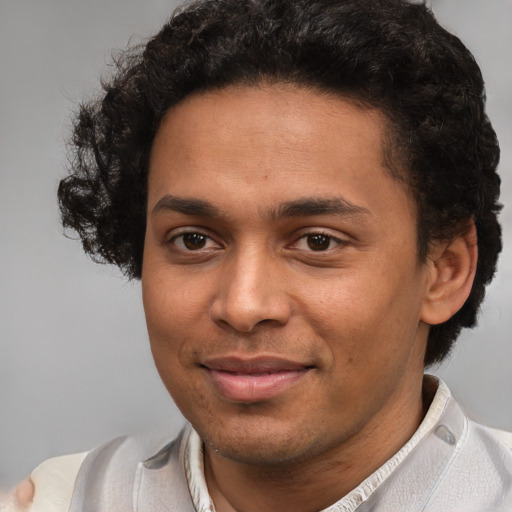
column 368, row 315
column 172, row 302
column 168, row 334
column 176, row 311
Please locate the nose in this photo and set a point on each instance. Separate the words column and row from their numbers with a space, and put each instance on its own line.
column 251, row 292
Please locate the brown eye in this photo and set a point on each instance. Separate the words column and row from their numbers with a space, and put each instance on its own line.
column 194, row 241
column 318, row 242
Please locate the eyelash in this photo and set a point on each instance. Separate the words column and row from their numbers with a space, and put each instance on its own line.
column 330, row 240
column 304, row 237
column 173, row 240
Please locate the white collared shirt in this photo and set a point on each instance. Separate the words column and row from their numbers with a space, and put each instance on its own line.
column 449, row 462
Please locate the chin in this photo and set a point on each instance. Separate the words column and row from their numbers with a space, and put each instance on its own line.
column 261, row 444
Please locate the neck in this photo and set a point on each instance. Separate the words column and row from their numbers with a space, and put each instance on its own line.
column 313, row 483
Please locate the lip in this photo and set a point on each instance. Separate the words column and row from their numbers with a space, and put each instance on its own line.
column 253, row 380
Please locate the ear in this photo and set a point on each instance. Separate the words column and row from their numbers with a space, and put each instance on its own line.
column 452, row 268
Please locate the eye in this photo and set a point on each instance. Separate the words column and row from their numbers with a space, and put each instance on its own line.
column 193, row 241
column 317, row 242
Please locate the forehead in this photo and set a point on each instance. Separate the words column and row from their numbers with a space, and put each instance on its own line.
column 288, row 113
column 287, row 140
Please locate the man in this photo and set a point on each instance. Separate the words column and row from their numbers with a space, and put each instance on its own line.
column 308, row 192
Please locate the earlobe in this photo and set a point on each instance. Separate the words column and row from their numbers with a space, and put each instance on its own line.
column 452, row 271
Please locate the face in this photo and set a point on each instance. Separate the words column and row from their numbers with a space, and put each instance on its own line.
column 281, row 281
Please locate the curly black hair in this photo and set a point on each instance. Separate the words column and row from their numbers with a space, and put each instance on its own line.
column 385, row 54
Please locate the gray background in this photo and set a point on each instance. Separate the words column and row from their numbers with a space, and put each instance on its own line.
column 75, row 367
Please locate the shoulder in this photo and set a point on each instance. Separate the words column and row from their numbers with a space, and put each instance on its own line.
column 490, row 444
column 49, row 488
column 54, row 481
column 477, row 471
column 504, row 436
column 110, row 468
column 484, row 455
column 480, row 470
column 134, row 470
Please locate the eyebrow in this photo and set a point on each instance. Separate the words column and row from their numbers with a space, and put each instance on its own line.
column 187, row 206
column 311, row 206
column 303, row 207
